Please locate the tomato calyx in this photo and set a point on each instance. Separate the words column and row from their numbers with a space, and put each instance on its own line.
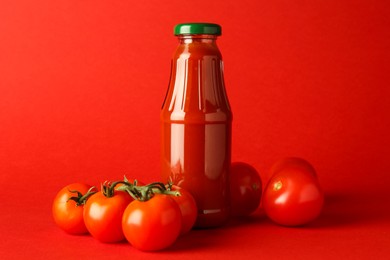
column 108, row 188
column 146, row 192
column 80, row 199
column 277, row 185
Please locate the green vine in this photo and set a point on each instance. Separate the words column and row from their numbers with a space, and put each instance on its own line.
column 146, row 192
column 80, row 199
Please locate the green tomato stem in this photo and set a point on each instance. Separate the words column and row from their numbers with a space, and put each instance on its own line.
column 145, row 193
column 80, row 199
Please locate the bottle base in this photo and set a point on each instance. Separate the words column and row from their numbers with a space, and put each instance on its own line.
column 211, row 218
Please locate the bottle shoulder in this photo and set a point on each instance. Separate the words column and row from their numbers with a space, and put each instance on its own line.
column 196, row 91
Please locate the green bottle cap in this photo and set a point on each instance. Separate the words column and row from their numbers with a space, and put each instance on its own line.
column 197, row 28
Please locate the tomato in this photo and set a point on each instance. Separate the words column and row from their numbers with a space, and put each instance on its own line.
column 245, row 189
column 293, row 163
column 153, row 224
column 103, row 215
column 293, row 197
column 67, row 213
column 188, row 208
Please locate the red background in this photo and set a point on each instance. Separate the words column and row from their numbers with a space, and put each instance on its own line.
column 82, row 83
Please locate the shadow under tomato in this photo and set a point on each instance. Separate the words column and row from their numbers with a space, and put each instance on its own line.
column 256, row 218
column 194, row 240
column 348, row 209
column 214, row 237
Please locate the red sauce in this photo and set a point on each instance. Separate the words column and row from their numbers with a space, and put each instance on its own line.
column 196, row 128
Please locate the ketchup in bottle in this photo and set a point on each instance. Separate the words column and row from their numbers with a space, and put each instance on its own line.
column 196, row 123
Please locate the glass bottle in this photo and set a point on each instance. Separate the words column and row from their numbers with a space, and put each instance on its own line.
column 196, row 123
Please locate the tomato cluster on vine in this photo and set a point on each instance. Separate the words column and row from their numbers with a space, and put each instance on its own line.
column 150, row 217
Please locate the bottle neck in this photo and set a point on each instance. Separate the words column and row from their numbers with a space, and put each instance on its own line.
column 197, row 46
column 198, row 38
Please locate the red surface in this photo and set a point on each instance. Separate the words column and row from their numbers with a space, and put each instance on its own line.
column 81, row 86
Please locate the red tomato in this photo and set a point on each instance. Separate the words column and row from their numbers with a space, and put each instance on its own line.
column 293, row 197
column 67, row 214
column 293, row 163
column 188, row 209
column 245, row 189
column 103, row 216
column 154, row 224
